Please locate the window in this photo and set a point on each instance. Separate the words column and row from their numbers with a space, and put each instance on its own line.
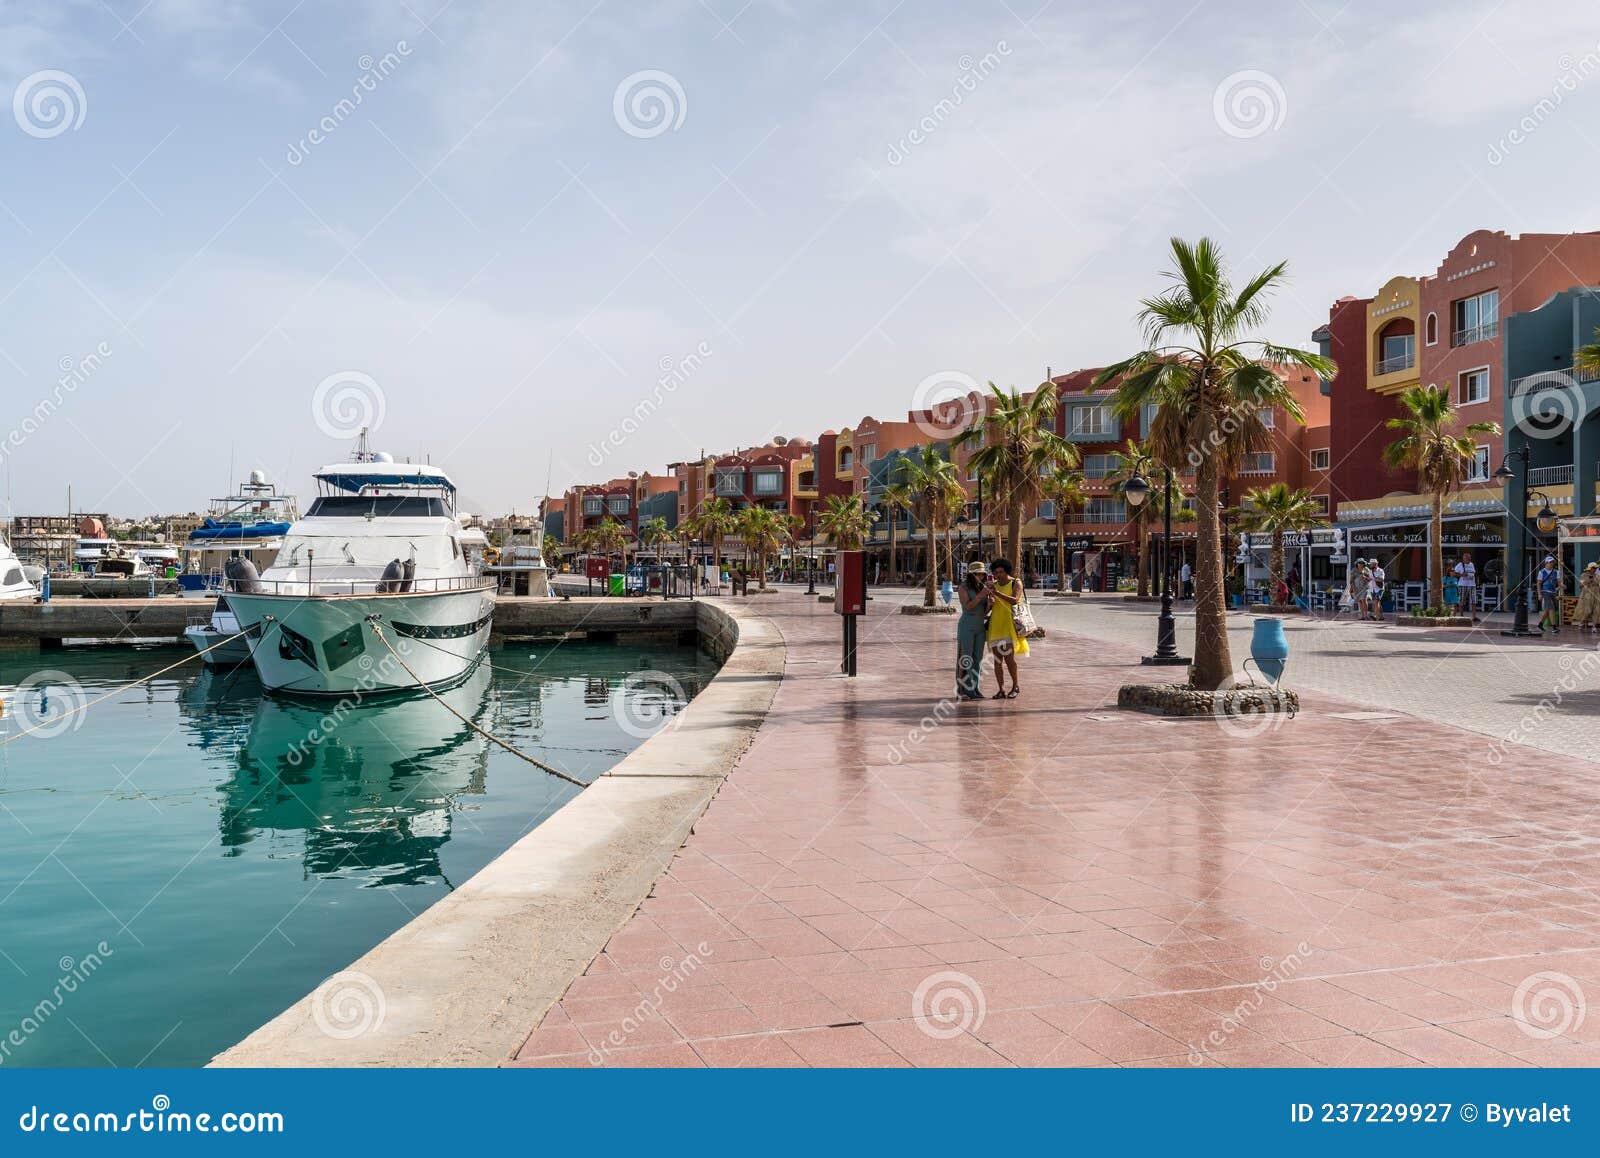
column 1047, row 510
column 594, row 506
column 730, row 483
column 1098, row 465
column 1147, row 418
column 769, row 482
column 1265, row 415
column 1433, row 329
column 869, row 451
column 1479, row 470
column 617, row 504
column 1396, row 351
column 1320, row 459
column 1102, row 509
column 1475, row 386
column 1262, row 462
column 847, row 460
column 1091, row 421
column 1476, row 319
column 1322, row 503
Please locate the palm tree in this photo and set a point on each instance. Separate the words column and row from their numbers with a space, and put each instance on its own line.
column 1588, row 359
column 1135, row 460
column 896, row 498
column 1209, row 381
column 929, row 476
column 1066, row 492
column 610, row 538
column 653, row 534
column 717, row 520
column 1438, row 448
column 1018, row 446
column 1277, row 510
column 952, row 503
column 762, row 531
column 845, row 522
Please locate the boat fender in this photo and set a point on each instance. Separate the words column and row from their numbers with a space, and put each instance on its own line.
column 410, row 573
column 390, row 580
column 242, row 575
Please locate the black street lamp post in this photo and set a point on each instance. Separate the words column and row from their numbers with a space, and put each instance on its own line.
column 1545, row 522
column 1135, row 490
column 811, row 567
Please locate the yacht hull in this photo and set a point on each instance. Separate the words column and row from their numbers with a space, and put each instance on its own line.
column 327, row 645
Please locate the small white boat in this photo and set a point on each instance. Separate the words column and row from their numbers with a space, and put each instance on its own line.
column 104, row 556
column 380, row 564
column 520, row 568
column 14, row 581
column 208, row 632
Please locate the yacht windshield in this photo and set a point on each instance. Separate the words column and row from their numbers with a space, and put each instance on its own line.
column 377, row 506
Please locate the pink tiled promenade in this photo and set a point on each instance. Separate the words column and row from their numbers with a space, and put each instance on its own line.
column 1049, row 881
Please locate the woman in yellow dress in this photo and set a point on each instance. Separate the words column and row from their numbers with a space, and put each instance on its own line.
column 1005, row 641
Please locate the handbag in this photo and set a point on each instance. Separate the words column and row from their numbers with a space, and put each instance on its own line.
column 1022, row 613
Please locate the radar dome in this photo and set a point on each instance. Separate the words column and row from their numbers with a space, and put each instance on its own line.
column 383, row 456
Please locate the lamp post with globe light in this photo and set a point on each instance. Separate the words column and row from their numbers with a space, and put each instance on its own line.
column 1136, row 490
column 1545, row 521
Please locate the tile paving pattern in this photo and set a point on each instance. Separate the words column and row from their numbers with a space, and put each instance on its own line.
column 1051, row 882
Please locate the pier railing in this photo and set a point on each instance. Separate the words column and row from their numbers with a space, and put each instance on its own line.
column 363, row 586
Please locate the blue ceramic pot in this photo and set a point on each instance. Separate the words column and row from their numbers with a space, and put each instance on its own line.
column 947, row 592
column 1269, row 647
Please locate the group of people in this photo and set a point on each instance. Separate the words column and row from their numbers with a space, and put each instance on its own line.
column 993, row 606
column 1363, row 587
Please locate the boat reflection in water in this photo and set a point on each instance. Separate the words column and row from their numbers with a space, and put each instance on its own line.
column 368, row 789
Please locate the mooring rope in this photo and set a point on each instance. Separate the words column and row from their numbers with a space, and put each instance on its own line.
column 556, row 772
column 84, row 707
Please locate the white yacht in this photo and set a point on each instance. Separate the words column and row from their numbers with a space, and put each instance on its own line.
column 381, row 547
column 250, row 524
column 107, row 556
column 520, row 567
column 14, row 582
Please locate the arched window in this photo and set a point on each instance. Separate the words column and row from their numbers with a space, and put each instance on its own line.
column 1432, row 329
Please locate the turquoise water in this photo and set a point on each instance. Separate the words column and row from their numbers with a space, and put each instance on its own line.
column 180, row 864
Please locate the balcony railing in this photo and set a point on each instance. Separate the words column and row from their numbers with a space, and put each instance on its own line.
column 1396, row 364
column 1550, row 476
column 1552, row 380
column 1479, row 333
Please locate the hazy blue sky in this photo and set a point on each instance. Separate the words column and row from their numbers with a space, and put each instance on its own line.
column 509, row 250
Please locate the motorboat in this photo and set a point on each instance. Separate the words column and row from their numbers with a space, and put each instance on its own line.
column 14, row 581
column 519, row 568
column 218, row 638
column 161, row 558
column 249, row 524
column 378, row 588
column 107, row 556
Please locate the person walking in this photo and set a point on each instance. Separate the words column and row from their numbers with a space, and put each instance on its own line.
column 1004, row 640
column 1186, row 578
column 1375, row 581
column 972, row 632
column 1549, row 584
column 1467, row 587
column 1587, row 617
column 1355, row 589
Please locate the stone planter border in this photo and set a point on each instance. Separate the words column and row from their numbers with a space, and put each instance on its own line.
column 1433, row 621
column 1225, row 703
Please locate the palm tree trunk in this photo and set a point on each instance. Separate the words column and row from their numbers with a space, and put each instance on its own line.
column 1213, row 662
column 891, row 546
column 1014, row 534
column 1061, row 550
column 949, row 554
column 1436, row 553
column 933, row 563
column 1144, row 558
column 1275, row 564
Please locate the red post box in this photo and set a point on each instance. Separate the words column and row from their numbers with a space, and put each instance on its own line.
column 849, row 583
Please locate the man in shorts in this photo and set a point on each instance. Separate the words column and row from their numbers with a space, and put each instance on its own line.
column 1548, row 582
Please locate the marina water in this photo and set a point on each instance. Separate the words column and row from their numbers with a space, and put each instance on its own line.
column 182, row 863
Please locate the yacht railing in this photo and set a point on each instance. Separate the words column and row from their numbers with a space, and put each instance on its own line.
column 365, row 586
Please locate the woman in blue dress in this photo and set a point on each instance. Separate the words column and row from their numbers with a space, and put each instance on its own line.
column 972, row 630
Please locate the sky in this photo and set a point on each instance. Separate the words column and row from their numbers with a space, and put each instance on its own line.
column 566, row 241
